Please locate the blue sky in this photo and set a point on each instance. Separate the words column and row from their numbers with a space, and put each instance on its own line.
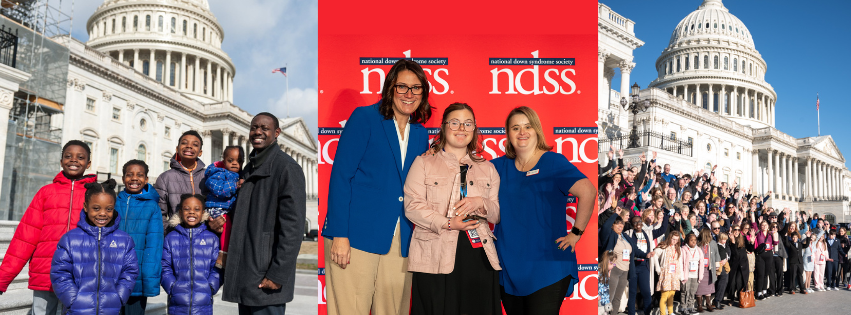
column 260, row 35
column 804, row 44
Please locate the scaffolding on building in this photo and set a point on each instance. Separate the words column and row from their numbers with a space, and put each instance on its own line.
column 33, row 144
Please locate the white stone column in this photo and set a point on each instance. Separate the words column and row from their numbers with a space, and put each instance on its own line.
column 182, row 74
column 230, row 87
column 121, row 56
column 136, row 64
column 207, row 147
column 797, row 192
column 711, row 100
column 152, row 62
column 626, row 69
column 722, row 108
column 783, row 175
column 195, row 76
column 225, row 139
column 167, row 74
column 808, row 178
column 699, row 96
column 218, row 84
column 820, row 180
column 208, row 84
column 770, row 176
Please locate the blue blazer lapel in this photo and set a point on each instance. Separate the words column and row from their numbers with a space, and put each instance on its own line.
column 414, row 147
column 393, row 139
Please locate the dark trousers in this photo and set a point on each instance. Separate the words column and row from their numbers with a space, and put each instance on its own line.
column 640, row 281
column 546, row 301
column 795, row 277
column 720, row 287
column 279, row 309
column 135, row 306
column 778, row 278
column 737, row 279
column 764, row 267
column 830, row 273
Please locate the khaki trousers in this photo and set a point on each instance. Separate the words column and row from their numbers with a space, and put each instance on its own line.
column 371, row 282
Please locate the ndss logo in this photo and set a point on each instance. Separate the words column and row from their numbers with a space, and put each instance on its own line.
column 556, row 79
column 434, row 75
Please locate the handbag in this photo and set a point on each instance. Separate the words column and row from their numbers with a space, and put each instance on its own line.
column 746, row 299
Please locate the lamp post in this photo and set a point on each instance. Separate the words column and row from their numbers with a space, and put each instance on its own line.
column 635, row 106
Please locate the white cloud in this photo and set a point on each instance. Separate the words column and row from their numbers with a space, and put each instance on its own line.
column 303, row 103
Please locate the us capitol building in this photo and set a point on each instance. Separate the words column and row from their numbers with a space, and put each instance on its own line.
column 710, row 105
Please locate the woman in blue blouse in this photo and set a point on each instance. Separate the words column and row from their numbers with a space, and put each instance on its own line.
column 366, row 231
column 532, row 239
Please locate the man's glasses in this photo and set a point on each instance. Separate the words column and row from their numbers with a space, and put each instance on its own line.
column 455, row 124
column 403, row 89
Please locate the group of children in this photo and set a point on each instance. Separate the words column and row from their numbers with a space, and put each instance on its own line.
column 118, row 254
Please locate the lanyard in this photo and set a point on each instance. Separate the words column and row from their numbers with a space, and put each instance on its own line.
column 464, row 169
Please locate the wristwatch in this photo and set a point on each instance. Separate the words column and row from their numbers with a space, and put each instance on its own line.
column 576, row 231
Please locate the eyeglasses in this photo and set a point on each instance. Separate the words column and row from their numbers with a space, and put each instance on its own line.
column 455, row 124
column 403, row 89
column 716, row 229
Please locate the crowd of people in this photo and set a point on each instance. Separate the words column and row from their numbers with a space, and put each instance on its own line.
column 94, row 250
column 705, row 243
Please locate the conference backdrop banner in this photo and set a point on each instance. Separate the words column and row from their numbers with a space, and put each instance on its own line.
column 553, row 72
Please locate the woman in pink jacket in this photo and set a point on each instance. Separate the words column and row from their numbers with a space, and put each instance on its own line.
column 820, row 256
column 451, row 196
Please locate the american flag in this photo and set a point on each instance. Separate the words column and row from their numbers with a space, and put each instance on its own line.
column 281, row 70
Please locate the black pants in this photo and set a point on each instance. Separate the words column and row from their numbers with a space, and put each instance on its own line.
column 546, row 301
column 279, row 309
column 830, row 273
column 796, row 279
column 720, row 287
column 764, row 267
column 738, row 278
column 778, row 278
column 135, row 306
column 640, row 281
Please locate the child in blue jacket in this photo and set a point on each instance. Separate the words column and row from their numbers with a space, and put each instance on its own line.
column 189, row 257
column 95, row 245
column 142, row 219
column 222, row 181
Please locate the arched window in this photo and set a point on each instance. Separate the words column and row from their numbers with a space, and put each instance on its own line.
column 715, row 102
column 687, row 63
column 715, row 62
column 696, row 62
column 735, row 65
column 204, row 34
column 699, row 25
column 750, row 69
column 159, row 71
column 171, row 74
column 705, row 98
column 708, row 164
column 146, row 67
column 141, row 152
column 135, row 23
column 705, row 62
column 113, row 26
column 678, row 64
column 725, row 63
column 743, row 66
column 692, row 27
column 184, row 27
column 707, row 25
column 173, row 25
column 751, row 108
column 195, row 30
column 124, row 24
column 739, row 106
column 160, row 24
column 722, row 26
column 715, row 25
column 829, row 217
column 148, row 23
column 104, row 28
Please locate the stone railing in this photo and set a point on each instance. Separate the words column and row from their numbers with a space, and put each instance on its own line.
column 657, row 96
column 606, row 13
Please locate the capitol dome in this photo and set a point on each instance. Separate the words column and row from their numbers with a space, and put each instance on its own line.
column 712, row 62
column 176, row 42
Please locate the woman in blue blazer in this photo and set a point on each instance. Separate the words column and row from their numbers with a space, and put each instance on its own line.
column 366, row 231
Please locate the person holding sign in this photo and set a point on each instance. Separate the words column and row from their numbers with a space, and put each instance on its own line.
column 538, row 270
column 450, row 196
column 366, row 231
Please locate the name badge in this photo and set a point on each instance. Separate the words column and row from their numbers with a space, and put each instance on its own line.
column 533, row 172
column 474, row 238
column 625, row 255
column 706, row 262
column 692, row 265
column 821, row 258
column 672, row 268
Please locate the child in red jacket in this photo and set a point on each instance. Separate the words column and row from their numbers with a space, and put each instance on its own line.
column 53, row 212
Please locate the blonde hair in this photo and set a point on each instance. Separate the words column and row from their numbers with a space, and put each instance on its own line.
column 536, row 124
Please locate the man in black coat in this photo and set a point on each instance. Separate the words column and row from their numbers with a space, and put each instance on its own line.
column 833, row 249
column 267, row 225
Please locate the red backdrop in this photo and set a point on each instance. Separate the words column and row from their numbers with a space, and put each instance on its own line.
column 544, row 57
